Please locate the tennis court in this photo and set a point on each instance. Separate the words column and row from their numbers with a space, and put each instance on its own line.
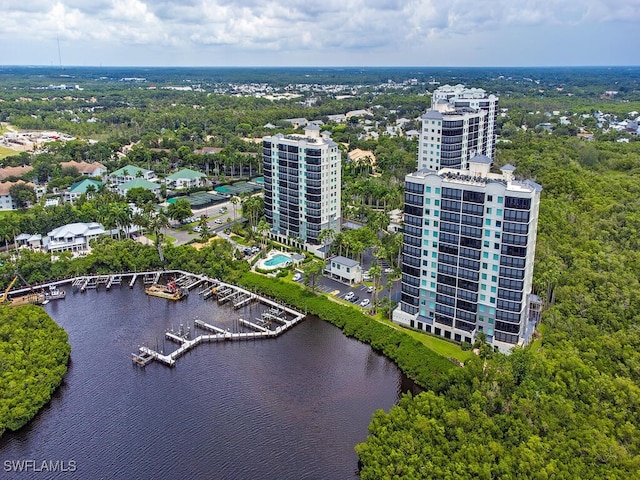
column 240, row 188
column 201, row 199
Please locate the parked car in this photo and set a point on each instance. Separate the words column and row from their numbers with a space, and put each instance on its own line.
column 365, row 302
column 388, row 270
column 218, row 221
column 366, row 275
column 349, row 296
column 355, row 299
column 370, row 290
column 297, row 277
column 197, row 229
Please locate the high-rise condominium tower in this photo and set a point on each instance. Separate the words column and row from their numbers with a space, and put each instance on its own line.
column 468, row 251
column 459, row 125
column 302, row 184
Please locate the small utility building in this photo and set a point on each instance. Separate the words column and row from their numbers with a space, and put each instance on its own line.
column 344, row 269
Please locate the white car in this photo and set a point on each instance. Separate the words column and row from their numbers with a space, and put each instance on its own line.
column 218, row 221
column 370, row 290
column 349, row 296
column 365, row 302
column 297, row 277
column 388, row 270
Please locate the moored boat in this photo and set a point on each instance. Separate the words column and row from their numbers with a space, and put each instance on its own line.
column 54, row 294
column 170, row 291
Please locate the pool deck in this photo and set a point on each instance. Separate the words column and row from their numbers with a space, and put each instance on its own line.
column 262, row 264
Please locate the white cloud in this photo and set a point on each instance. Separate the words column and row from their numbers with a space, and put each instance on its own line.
column 293, row 25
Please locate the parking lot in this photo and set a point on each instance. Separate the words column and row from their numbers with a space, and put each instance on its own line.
column 360, row 292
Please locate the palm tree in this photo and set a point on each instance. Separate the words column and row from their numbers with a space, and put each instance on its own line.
column 235, row 200
column 261, row 229
column 375, row 271
column 157, row 223
column 326, row 236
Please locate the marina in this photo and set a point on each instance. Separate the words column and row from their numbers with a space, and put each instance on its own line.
column 274, row 318
column 311, row 392
column 284, row 318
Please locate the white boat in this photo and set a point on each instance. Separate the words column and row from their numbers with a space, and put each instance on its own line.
column 54, row 294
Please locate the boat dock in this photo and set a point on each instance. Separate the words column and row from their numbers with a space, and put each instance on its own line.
column 260, row 328
column 264, row 327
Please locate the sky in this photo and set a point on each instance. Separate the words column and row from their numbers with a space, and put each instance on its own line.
column 319, row 33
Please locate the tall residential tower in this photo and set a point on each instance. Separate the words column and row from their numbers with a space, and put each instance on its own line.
column 468, row 252
column 302, row 184
column 459, row 125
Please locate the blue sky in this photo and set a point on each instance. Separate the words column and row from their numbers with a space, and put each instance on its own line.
column 319, row 33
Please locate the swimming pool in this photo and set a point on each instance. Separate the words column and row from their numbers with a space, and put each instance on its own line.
column 277, row 260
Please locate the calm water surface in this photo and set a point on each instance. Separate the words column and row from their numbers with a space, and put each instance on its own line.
column 287, row 408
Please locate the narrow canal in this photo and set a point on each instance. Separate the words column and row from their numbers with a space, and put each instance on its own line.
column 287, row 408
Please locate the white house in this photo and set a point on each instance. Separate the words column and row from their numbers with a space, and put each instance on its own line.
column 344, row 269
column 86, row 169
column 72, row 237
column 6, row 200
column 186, row 178
column 131, row 172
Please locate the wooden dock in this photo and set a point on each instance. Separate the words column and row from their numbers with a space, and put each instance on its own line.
column 277, row 313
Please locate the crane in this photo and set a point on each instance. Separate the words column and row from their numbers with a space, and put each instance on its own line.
column 6, row 292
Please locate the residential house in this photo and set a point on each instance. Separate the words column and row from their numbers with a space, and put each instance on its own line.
column 74, row 237
column 207, row 150
column 6, row 201
column 296, row 122
column 139, row 183
column 8, row 172
column 86, row 169
column 358, row 156
column 77, row 189
column 186, row 178
column 131, row 172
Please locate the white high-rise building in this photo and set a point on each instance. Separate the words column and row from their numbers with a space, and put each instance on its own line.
column 302, row 184
column 468, row 253
column 459, row 126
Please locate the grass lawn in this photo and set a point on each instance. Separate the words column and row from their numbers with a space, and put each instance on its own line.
column 166, row 238
column 7, row 152
column 536, row 345
column 438, row 345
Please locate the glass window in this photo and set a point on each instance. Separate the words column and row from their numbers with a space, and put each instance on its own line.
column 496, row 256
column 487, row 222
column 493, row 289
column 438, row 190
column 494, row 268
column 483, row 297
column 489, row 210
column 437, row 203
column 428, row 189
column 487, row 233
column 500, row 200
column 484, row 265
column 485, row 254
column 484, row 276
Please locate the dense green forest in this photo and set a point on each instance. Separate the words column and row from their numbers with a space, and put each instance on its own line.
column 34, row 352
column 568, row 406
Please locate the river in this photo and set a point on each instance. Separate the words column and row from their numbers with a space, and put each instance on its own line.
column 287, row 408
